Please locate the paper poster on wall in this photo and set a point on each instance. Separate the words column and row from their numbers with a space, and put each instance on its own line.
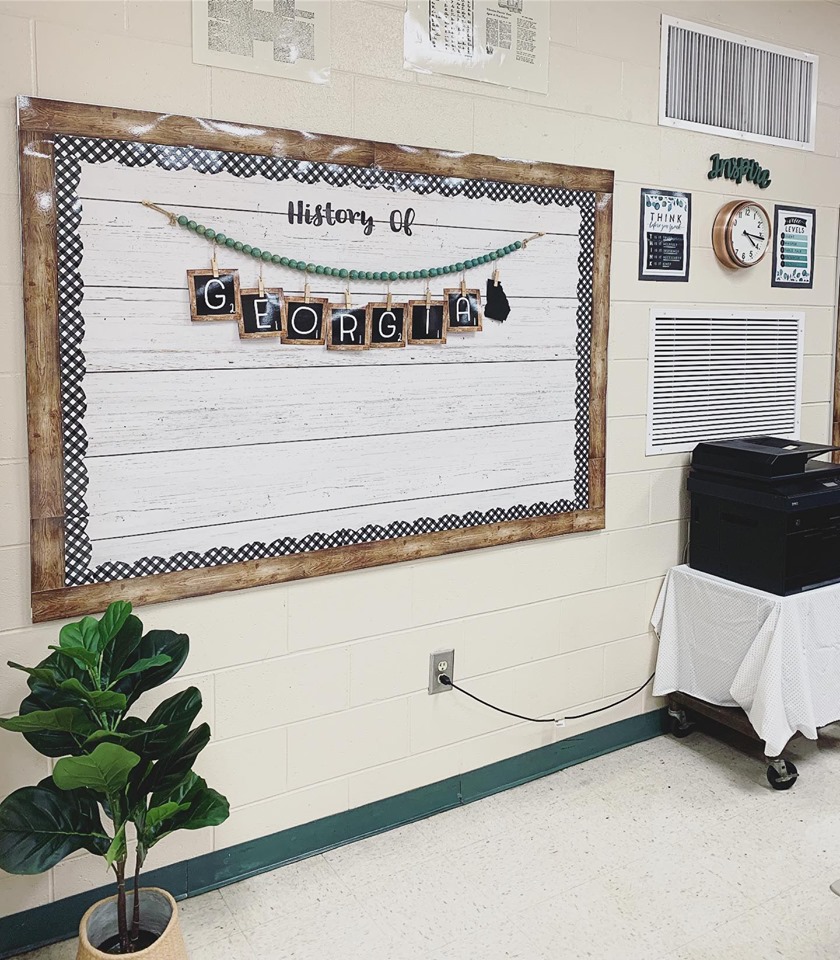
column 289, row 38
column 794, row 233
column 664, row 235
column 498, row 41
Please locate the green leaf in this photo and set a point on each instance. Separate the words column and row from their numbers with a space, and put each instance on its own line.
column 80, row 655
column 199, row 806
column 118, row 653
column 166, row 727
column 156, row 815
column 105, row 770
column 65, row 719
column 39, row 826
column 112, row 621
column 107, row 701
column 117, row 850
column 84, row 634
column 171, row 769
column 175, row 645
column 44, row 675
column 100, row 700
column 49, row 697
column 158, row 660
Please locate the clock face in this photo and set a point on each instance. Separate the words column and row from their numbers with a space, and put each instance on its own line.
column 748, row 234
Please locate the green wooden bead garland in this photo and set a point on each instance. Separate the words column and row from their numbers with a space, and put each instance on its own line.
column 222, row 239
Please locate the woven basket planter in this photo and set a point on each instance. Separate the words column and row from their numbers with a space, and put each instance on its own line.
column 159, row 916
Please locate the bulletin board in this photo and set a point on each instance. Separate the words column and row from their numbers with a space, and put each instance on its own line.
column 171, row 457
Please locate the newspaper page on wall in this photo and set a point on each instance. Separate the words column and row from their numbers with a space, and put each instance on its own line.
column 280, row 38
column 498, row 41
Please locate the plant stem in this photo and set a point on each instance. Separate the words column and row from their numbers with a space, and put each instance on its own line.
column 135, row 922
column 122, row 924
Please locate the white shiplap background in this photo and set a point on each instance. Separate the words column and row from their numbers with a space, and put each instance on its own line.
column 198, row 439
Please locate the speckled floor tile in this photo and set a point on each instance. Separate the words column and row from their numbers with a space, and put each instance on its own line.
column 668, row 850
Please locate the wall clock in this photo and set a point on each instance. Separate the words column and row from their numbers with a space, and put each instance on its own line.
column 741, row 233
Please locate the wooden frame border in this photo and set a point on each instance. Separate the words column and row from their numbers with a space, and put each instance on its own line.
column 197, row 317
column 401, row 305
column 325, row 307
column 425, row 341
column 255, row 292
column 478, row 328
column 39, row 122
column 351, row 346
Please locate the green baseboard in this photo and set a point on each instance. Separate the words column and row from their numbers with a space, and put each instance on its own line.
column 60, row 920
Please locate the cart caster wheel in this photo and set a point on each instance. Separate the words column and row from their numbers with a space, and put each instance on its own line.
column 680, row 725
column 681, row 730
column 782, row 774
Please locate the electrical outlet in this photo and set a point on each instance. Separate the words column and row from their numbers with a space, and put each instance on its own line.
column 440, row 663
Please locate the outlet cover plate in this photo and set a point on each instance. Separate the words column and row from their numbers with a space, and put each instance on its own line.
column 442, row 662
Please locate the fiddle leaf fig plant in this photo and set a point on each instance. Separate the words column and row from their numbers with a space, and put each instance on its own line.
column 113, row 764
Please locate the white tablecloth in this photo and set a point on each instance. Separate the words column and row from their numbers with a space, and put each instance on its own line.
column 776, row 657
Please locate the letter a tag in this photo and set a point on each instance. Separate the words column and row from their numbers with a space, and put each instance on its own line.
column 463, row 310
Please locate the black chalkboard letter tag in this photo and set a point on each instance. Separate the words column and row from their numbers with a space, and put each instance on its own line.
column 386, row 324
column 214, row 294
column 463, row 309
column 262, row 313
column 348, row 328
column 426, row 321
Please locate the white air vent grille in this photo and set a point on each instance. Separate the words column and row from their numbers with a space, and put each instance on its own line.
column 722, row 375
column 722, row 83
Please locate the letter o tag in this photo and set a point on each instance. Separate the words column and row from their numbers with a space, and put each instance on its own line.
column 303, row 321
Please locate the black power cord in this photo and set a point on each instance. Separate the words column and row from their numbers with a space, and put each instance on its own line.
column 447, row 682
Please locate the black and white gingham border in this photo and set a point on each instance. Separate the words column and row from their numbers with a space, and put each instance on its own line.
column 70, row 152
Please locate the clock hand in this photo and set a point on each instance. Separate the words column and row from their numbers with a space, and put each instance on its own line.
column 750, row 238
column 754, row 236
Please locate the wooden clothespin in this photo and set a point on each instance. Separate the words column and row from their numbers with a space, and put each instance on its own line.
column 214, row 262
column 428, row 295
column 496, row 277
column 261, row 285
column 306, row 292
column 347, row 301
column 388, row 299
column 463, row 285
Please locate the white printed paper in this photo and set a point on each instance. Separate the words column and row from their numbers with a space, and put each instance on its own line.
column 794, row 234
column 280, row 38
column 498, row 41
column 664, row 235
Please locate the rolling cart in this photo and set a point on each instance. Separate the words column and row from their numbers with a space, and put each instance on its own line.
column 781, row 774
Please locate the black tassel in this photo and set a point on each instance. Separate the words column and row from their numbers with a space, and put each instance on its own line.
column 496, row 305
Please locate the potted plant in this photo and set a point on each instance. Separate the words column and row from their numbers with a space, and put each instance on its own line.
column 137, row 773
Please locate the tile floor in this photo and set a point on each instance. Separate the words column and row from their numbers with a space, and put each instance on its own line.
column 671, row 849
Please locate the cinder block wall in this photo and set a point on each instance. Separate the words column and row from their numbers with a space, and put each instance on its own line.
column 316, row 691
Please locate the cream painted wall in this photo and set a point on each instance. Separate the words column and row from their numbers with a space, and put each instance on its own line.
column 316, row 691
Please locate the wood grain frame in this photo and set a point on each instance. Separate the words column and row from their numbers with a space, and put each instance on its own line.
column 457, row 328
column 386, row 306
column 298, row 342
column 263, row 334
column 425, row 341
column 39, row 122
column 197, row 317
column 347, row 346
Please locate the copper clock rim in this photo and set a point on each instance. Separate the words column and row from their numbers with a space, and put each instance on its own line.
column 730, row 209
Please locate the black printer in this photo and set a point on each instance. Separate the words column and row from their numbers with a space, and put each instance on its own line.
column 765, row 514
